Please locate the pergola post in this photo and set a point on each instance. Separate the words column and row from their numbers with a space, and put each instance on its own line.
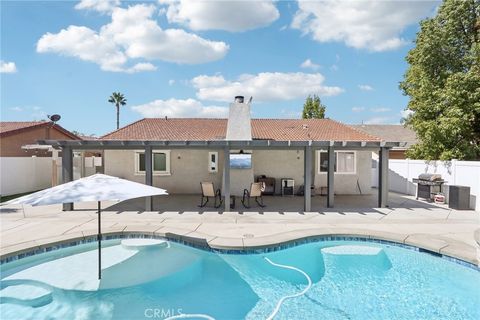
column 307, row 179
column 226, row 177
column 383, row 178
column 67, row 172
column 330, row 177
column 148, row 176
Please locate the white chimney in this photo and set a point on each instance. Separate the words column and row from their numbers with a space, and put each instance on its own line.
column 239, row 121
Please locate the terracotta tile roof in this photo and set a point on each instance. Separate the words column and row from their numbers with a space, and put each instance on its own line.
column 14, row 127
column 181, row 129
column 8, row 126
column 306, row 129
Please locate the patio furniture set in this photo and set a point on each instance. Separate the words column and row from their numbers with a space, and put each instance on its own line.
column 209, row 191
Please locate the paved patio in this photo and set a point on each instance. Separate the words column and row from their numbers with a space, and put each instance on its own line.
column 433, row 227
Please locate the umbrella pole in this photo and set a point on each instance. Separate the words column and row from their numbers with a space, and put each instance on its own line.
column 99, row 241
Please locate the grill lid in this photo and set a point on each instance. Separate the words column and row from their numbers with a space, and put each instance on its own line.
column 430, row 176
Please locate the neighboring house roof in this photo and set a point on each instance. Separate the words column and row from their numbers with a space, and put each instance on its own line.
column 13, row 127
column 83, row 137
column 390, row 132
column 183, row 129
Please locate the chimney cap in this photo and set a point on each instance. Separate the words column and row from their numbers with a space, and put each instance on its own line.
column 239, row 99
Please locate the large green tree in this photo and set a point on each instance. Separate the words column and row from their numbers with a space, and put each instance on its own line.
column 313, row 108
column 443, row 83
column 118, row 99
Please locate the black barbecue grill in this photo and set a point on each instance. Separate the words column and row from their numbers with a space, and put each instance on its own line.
column 428, row 185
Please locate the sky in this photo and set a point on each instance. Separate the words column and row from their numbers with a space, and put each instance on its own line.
column 190, row 58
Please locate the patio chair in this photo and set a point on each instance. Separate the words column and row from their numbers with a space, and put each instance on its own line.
column 208, row 190
column 255, row 191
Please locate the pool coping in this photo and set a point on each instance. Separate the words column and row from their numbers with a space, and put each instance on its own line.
column 266, row 244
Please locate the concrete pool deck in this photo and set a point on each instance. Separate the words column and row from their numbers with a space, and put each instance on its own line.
column 425, row 225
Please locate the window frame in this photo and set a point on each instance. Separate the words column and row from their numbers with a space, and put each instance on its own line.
column 215, row 170
column 319, row 152
column 137, row 171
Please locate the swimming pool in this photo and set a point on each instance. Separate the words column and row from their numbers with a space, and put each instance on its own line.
column 325, row 280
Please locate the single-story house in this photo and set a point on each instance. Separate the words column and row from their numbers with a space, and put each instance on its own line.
column 17, row 134
column 391, row 132
column 181, row 171
column 25, row 166
column 177, row 154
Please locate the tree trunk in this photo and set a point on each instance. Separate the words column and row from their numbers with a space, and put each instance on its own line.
column 118, row 117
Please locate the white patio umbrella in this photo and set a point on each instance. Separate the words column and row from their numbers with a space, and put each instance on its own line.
column 98, row 187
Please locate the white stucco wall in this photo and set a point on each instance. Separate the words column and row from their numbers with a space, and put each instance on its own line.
column 347, row 183
column 279, row 164
column 189, row 167
column 289, row 164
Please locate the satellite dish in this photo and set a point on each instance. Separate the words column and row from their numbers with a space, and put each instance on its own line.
column 54, row 117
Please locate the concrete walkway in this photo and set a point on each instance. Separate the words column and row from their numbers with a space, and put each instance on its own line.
column 417, row 223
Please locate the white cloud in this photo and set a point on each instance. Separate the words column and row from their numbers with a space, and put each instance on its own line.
column 266, row 86
column 179, row 108
column 132, row 34
column 378, row 120
column 7, row 67
column 365, row 87
column 102, row 6
column 171, row 82
column 234, row 16
column 30, row 112
column 381, row 109
column 358, row 109
column 371, row 25
column 142, row 66
column 406, row 113
column 308, row 64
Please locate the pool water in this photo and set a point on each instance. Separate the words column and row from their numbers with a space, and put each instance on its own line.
column 350, row 280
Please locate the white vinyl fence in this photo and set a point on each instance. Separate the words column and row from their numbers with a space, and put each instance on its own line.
column 463, row 173
column 24, row 174
column 27, row 174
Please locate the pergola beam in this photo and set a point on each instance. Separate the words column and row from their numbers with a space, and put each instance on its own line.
column 220, row 144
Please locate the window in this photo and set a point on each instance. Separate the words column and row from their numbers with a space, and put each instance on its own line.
column 345, row 162
column 160, row 162
column 213, row 162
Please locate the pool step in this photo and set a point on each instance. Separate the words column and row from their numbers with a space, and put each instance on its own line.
column 142, row 244
column 26, row 294
column 355, row 258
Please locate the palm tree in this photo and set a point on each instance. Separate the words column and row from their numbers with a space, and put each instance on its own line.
column 118, row 99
